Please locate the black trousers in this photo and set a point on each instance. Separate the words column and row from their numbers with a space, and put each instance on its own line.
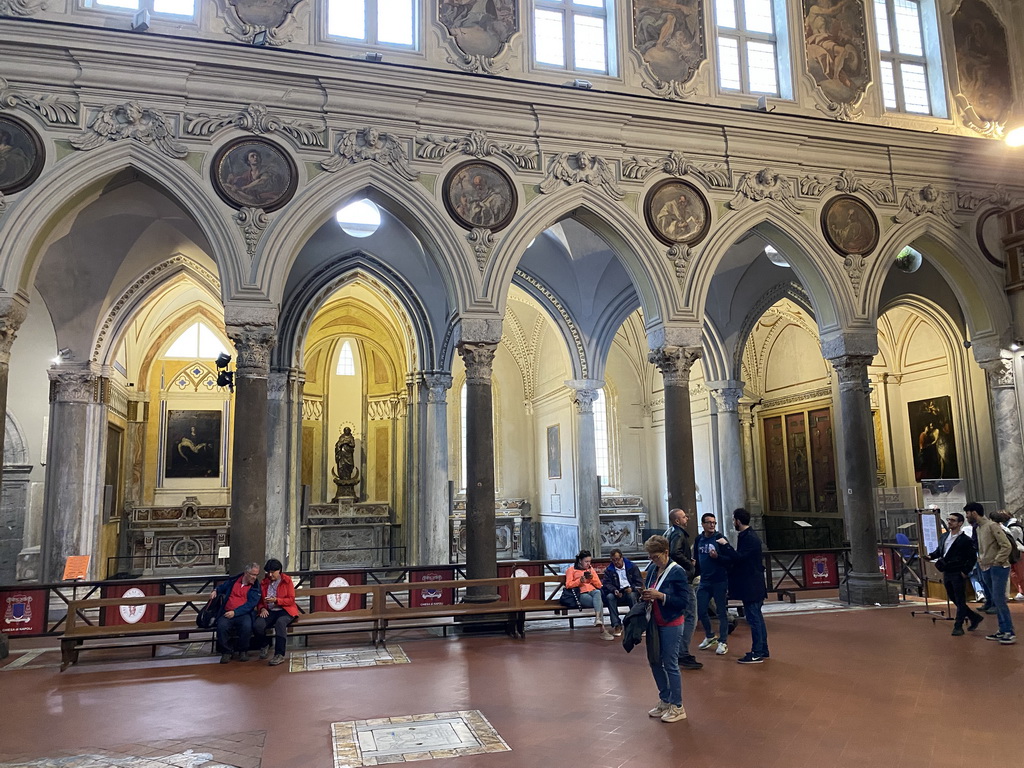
column 956, row 588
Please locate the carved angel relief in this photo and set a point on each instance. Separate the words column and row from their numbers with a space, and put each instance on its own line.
column 130, row 121
column 765, row 184
column 359, row 145
column 928, row 199
column 567, row 169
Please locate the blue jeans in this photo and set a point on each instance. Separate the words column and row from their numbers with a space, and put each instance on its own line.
column 666, row 674
column 690, row 615
column 243, row 624
column 592, row 599
column 707, row 592
column 758, row 630
column 977, row 582
column 995, row 579
column 612, row 602
column 278, row 619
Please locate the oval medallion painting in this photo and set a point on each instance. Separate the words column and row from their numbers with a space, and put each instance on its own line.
column 677, row 213
column 254, row 173
column 21, row 155
column 479, row 194
column 849, row 226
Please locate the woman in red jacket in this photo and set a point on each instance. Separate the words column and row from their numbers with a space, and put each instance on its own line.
column 583, row 576
column 276, row 609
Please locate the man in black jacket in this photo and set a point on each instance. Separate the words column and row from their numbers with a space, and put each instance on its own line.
column 955, row 558
column 680, row 550
column 621, row 584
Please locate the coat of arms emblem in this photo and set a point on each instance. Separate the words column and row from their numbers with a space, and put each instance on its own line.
column 19, row 609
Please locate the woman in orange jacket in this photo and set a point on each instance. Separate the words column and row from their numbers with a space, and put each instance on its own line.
column 276, row 609
column 583, row 576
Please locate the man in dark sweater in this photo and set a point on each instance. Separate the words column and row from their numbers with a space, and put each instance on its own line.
column 746, row 581
column 955, row 557
column 714, row 584
column 680, row 551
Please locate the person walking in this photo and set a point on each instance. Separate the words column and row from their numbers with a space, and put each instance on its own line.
column 955, row 558
column 994, row 561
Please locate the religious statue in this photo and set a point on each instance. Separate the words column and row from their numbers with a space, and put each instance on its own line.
column 346, row 474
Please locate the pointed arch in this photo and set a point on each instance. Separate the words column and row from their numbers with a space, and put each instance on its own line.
column 557, row 310
column 978, row 291
column 172, row 328
column 714, row 358
column 410, row 203
column 75, row 178
column 792, row 291
column 820, row 272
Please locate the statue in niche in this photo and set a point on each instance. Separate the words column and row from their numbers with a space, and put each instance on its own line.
column 346, row 473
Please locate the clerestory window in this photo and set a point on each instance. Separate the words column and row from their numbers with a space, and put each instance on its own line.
column 575, row 35
column 176, row 8
column 374, row 22
column 753, row 47
column 910, row 64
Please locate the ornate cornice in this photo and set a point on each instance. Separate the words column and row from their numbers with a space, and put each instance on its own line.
column 675, row 163
column 566, row 170
column 479, row 145
column 130, row 120
column 370, row 144
column 765, row 184
column 50, row 107
column 256, row 118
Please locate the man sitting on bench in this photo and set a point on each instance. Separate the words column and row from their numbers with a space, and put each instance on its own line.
column 241, row 593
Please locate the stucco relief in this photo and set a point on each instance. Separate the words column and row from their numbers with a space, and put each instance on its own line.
column 848, row 182
column 253, row 222
column 479, row 32
column 669, row 36
column 567, row 169
column 247, row 18
column 131, row 120
column 675, row 163
column 21, row 7
column 835, row 43
column 52, row 108
column 256, row 118
column 479, row 145
column 983, row 67
column 765, row 184
column 929, row 199
column 370, row 144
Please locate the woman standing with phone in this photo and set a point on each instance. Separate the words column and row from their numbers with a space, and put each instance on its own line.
column 668, row 594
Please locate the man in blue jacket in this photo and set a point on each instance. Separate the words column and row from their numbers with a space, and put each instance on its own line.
column 241, row 593
column 746, row 582
column 714, row 583
column 621, row 584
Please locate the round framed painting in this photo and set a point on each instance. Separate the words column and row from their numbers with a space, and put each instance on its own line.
column 21, row 155
column 254, row 173
column 677, row 212
column 849, row 225
column 479, row 194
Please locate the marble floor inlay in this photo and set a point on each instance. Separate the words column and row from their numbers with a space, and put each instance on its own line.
column 233, row 750
column 406, row 738
column 342, row 658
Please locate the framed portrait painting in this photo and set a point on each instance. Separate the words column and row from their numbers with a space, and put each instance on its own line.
column 554, row 443
column 849, row 226
column 677, row 212
column 479, row 194
column 21, row 155
column 254, row 173
column 932, row 439
column 192, row 446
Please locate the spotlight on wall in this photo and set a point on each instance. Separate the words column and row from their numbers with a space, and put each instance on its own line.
column 583, row 85
column 1015, row 138
column 261, row 38
column 140, row 21
column 967, row 344
column 375, row 56
column 62, row 354
column 225, row 378
column 1016, row 344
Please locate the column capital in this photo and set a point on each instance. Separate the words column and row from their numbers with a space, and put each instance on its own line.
column 75, row 384
column 727, row 399
column 12, row 314
column 584, row 393
column 252, row 346
column 999, row 373
column 437, row 385
column 478, row 357
column 853, row 372
column 674, row 363
column 746, row 414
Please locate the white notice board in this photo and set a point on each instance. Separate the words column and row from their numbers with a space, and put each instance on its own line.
column 930, row 530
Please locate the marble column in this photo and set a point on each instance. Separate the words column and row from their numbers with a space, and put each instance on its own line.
column 588, row 488
column 1009, row 439
column 745, row 415
column 134, row 464
column 284, row 424
column 675, row 363
column 75, row 453
column 865, row 585
column 249, row 445
column 726, row 396
column 434, row 545
column 481, row 545
column 12, row 315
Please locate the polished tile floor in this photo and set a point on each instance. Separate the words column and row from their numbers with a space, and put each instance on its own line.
column 853, row 688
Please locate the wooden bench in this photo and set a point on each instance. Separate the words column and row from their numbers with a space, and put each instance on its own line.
column 384, row 609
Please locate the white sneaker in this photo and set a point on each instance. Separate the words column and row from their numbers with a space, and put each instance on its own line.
column 1019, row 596
column 708, row 642
column 673, row 714
column 659, row 710
column 606, row 635
column 722, row 649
